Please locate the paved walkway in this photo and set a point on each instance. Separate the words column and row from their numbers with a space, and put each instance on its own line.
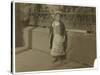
column 35, row 60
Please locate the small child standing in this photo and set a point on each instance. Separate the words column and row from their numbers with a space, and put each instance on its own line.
column 58, row 39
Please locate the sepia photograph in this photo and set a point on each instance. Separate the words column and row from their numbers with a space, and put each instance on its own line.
column 54, row 37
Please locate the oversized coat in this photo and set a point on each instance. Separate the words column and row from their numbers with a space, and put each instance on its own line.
column 62, row 32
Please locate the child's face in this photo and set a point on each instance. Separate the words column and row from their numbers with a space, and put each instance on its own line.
column 57, row 17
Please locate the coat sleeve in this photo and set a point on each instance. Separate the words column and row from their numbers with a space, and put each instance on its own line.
column 66, row 37
column 66, row 41
column 51, row 37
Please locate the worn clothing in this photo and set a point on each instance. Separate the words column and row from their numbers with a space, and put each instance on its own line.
column 58, row 39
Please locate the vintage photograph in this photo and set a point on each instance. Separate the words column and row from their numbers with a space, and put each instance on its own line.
column 54, row 37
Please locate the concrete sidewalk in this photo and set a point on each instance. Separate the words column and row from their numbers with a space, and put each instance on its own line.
column 36, row 60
